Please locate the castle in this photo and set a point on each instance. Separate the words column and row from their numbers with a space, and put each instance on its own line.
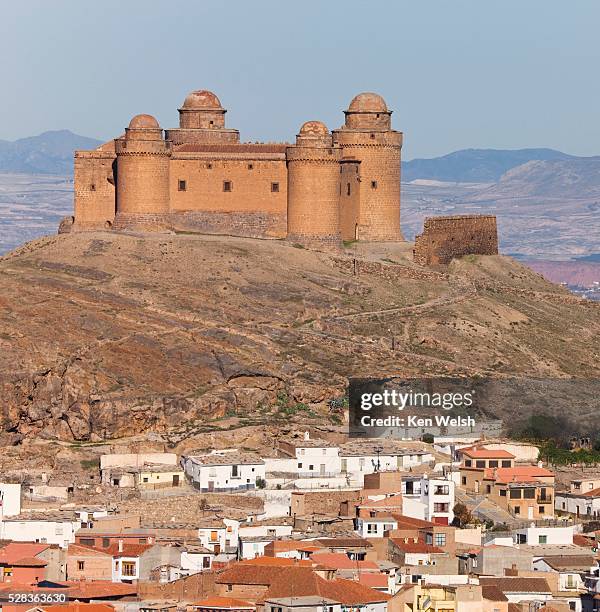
column 325, row 188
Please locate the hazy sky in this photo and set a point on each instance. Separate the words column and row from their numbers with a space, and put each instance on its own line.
column 457, row 73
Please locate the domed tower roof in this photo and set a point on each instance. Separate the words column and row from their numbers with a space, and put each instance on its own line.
column 143, row 122
column 201, row 99
column 314, row 128
column 368, row 102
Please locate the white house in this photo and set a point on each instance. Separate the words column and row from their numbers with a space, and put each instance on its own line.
column 195, row 559
column 254, row 537
column 360, row 457
column 541, row 536
column 375, row 526
column 585, row 502
column 428, row 499
column 313, row 458
column 10, row 499
column 218, row 535
column 224, row 471
column 57, row 528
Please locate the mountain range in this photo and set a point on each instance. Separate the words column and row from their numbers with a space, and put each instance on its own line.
column 47, row 153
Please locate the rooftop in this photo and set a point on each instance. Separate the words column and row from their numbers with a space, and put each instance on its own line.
column 227, row 459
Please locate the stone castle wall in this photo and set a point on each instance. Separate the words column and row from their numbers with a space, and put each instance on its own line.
column 445, row 238
column 94, row 189
column 349, row 198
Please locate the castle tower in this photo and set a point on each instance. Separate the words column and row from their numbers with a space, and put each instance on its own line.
column 202, row 121
column 368, row 137
column 143, row 158
column 313, row 217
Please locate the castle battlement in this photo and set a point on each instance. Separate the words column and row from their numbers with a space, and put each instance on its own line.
column 324, row 188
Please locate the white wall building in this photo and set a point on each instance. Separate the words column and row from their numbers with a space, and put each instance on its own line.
column 586, row 504
column 375, row 527
column 428, row 499
column 218, row 535
column 539, row 536
column 10, row 496
column 226, row 471
column 195, row 559
column 59, row 531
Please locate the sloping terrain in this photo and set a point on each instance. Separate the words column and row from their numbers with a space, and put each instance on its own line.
column 105, row 335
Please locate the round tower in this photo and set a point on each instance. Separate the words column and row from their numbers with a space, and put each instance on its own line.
column 143, row 158
column 367, row 136
column 313, row 216
column 202, row 121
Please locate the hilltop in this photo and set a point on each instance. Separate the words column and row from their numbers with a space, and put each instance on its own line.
column 106, row 335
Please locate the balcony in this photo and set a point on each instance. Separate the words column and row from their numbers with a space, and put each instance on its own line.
column 547, row 499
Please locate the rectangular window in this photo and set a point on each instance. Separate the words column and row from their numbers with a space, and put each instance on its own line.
column 480, row 464
column 528, row 493
column 502, row 492
column 181, row 185
column 80, row 565
column 542, row 539
column 515, row 494
column 493, row 463
column 440, row 539
column 507, row 463
column 234, row 471
column 517, row 510
column 128, row 568
column 468, row 463
column 373, row 184
column 274, row 187
column 464, row 480
column 105, row 542
column 87, row 542
column 227, row 186
column 348, row 189
column 541, row 509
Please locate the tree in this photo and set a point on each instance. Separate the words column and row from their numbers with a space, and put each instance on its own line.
column 462, row 515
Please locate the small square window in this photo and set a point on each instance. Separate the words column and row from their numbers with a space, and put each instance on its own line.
column 250, row 166
column 372, row 135
column 227, row 186
column 80, row 565
column 373, row 184
column 209, row 166
column 92, row 187
column 181, row 185
column 274, row 187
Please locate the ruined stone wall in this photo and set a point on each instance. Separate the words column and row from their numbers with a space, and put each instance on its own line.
column 94, row 189
column 349, row 199
column 320, row 502
column 379, row 154
column 313, row 212
column 445, row 238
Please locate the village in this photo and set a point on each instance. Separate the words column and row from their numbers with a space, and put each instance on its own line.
column 454, row 523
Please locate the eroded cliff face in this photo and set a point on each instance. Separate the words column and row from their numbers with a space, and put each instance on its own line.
column 105, row 335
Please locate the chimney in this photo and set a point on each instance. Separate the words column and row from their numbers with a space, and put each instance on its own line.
column 120, row 546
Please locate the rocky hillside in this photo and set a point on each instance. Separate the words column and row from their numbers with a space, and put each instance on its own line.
column 105, row 335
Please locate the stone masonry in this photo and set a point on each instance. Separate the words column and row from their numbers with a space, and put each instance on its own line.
column 445, row 238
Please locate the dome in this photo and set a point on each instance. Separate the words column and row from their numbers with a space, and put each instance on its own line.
column 201, row 99
column 140, row 122
column 368, row 103
column 314, row 128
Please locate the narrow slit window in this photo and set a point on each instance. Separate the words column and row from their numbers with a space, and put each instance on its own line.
column 373, row 184
column 348, row 189
column 250, row 166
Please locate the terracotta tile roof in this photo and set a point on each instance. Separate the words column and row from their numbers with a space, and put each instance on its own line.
column 484, row 453
column 415, row 547
column 393, row 501
column 278, row 562
column 373, row 580
column 79, row 550
column 77, row 607
column 29, row 562
column 525, row 473
column 129, row 549
column 19, row 550
column 573, row 562
column 224, row 603
column 581, row 540
column 592, row 493
column 344, row 542
column 99, row 589
column 517, row 584
column 307, row 583
column 340, row 561
column 492, row 593
column 407, row 522
column 287, row 545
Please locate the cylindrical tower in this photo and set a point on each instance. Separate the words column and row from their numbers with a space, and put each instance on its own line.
column 368, row 136
column 143, row 158
column 313, row 216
